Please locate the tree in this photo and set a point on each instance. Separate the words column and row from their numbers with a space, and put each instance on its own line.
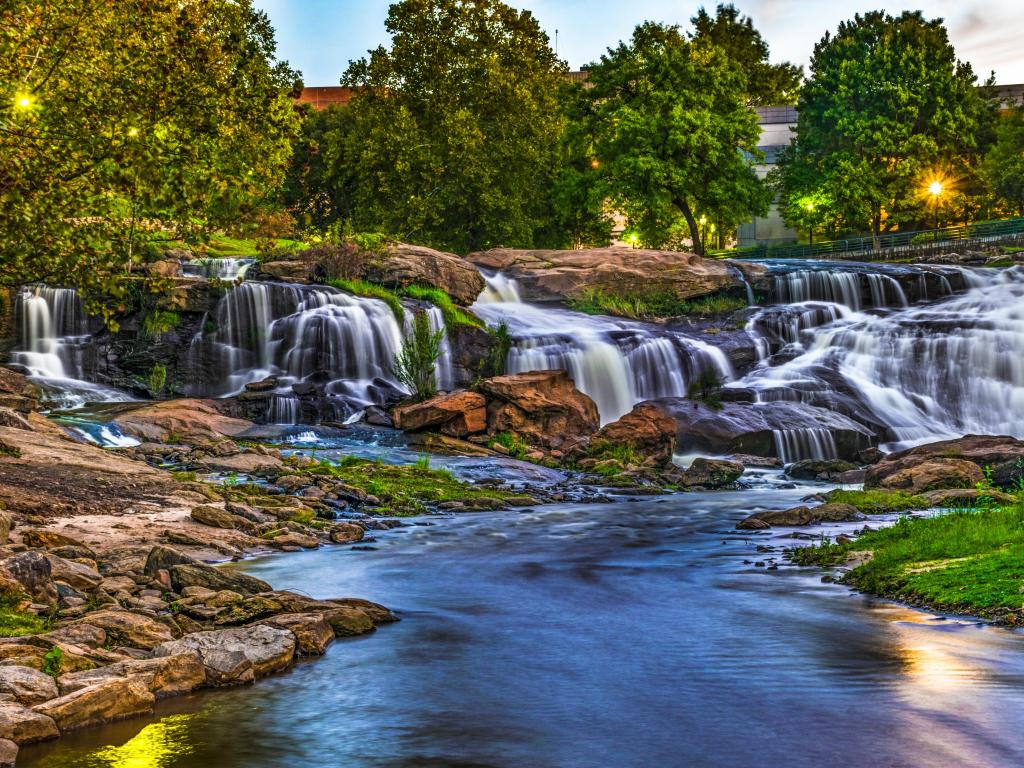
column 767, row 84
column 673, row 135
column 116, row 116
column 456, row 126
column 887, row 110
column 416, row 363
column 319, row 186
column 1003, row 169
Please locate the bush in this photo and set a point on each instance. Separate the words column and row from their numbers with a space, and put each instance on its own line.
column 157, row 380
column 503, row 342
column 657, row 303
column 416, row 363
column 159, row 322
column 333, row 261
column 705, row 388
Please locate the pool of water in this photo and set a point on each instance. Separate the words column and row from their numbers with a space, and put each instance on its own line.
column 625, row 635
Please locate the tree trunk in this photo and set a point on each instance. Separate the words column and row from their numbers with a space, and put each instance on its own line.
column 691, row 222
column 876, row 230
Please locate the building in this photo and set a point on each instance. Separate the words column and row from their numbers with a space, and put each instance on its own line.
column 777, row 126
column 325, row 96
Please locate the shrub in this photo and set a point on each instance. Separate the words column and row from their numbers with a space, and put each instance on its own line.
column 516, row 447
column 658, row 302
column 333, row 261
column 416, row 363
column 160, row 322
column 157, row 380
column 53, row 661
column 453, row 315
column 498, row 358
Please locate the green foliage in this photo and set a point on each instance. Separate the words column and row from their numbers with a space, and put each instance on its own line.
column 767, row 84
column 416, row 363
column 623, row 453
column 159, row 322
column 371, row 291
column 11, row 451
column 53, row 661
column 134, row 111
column 877, row 501
column 654, row 304
column 515, row 446
column 670, row 126
column 423, row 462
column 498, row 357
column 15, row 622
column 453, row 314
column 704, row 388
column 887, row 109
column 1003, row 168
column 184, row 477
column 157, row 380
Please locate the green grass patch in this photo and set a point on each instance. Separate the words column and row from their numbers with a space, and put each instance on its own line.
column 453, row 314
column 404, row 490
column 15, row 623
column 516, row 448
column 372, row 291
column 878, row 502
column 657, row 303
column 184, row 477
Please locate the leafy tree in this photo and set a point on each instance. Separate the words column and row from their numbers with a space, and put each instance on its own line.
column 767, row 84
column 1003, row 169
column 887, row 108
column 416, row 363
column 115, row 116
column 455, row 127
column 673, row 135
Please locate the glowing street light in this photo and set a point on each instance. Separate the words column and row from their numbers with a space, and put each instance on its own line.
column 632, row 240
column 935, row 188
column 23, row 101
column 133, row 132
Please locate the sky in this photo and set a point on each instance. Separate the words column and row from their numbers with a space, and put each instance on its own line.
column 320, row 37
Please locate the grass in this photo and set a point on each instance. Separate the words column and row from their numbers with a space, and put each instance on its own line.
column 15, row 623
column 160, row 322
column 516, row 448
column 184, row 477
column 453, row 315
column 878, row 502
column 404, row 490
column 658, row 303
column 372, row 291
column 967, row 561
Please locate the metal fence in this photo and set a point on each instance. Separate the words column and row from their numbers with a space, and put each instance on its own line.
column 898, row 245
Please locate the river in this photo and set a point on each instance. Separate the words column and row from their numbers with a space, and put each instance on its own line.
column 627, row 635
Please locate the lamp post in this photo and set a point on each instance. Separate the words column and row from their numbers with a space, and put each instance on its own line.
column 935, row 190
column 810, row 225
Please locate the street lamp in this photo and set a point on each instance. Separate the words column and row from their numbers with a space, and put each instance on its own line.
column 809, row 207
column 632, row 240
column 935, row 189
column 23, row 101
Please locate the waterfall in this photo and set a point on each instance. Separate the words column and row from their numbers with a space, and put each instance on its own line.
column 797, row 444
column 445, row 374
column 312, row 340
column 53, row 331
column 840, row 286
column 618, row 363
column 221, row 269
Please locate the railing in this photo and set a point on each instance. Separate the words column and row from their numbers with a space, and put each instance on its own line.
column 891, row 246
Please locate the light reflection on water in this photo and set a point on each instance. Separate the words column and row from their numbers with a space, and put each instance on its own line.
column 622, row 635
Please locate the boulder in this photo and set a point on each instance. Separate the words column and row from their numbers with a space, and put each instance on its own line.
column 164, row 268
column 40, row 538
column 929, row 475
column 187, row 420
column 457, row 414
column 544, row 275
column 28, row 686
column 6, row 526
column 542, row 407
column 25, row 726
column 648, row 429
column 216, row 517
column 8, row 753
column 162, row 559
column 238, row 654
column 711, row 473
column 241, row 463
column 349, row 621
column 312, row 631
column 164, row 676
column 33, row 572
column 346, row 533
column 965, row 497
column 819, row 469
column 103, row 702
column 19, row 394
column 801, row 516
column 1003, row 454
column 217, row 579
column 249, row 609
column 131, row 629
column 377, row 612
column 73, row 573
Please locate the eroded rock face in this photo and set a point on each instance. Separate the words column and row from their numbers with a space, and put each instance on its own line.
column 131, row 629
column 457, row 414
column 164, row 676
column 188, row 419
column 546, row 275
column 647, row 428
column 105, row 701
column 929, row 475
column 19, row 394
column 542, row 407
column 217, row 579
column 32, row 570
column 1003, row 454
column 236, row 655
column 312, row 632
column 28, row 686
column 25, row 726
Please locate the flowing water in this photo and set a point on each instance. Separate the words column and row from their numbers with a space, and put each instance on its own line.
column 628, row 635
column 221, row 269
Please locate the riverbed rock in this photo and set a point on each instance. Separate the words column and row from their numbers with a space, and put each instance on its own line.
column 236, row 655
column 1003, row 454
column 40, row 538
column 31, row 570
column 8, row 753
column 312, row 631
column 456, row 414
column 103, row 702
column 127, row 628
column 797, row 516
column 164, row 676
column 187, row 420
column 25, row 726
column 966, row 497
column 159, row 559
column 711, row 473
column 215, row 517
column 28, row 686
column 346, row 533
column 73, row 573
column 819, row 469
column 18, row 393
column 550, row 274
column 349, row 621
column 929, row 475
column 647, row 429
column 544, row 408
column 217, row 579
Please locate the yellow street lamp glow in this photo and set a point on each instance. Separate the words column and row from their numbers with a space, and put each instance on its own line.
column 632, row 238
column 133, row 132
column 23, row 102
column 810, row 207
column 703, row 220
column 935, row 188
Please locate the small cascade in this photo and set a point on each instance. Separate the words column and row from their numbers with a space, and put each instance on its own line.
column 818, row 285
column 445, row 374
column 799, row 444
column 220, row 269
column 751, row 299
column 305, row 340
column 618, row 363
column 284, row 409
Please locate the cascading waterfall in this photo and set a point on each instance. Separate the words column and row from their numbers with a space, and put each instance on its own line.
column 445, row 374
column 308, row 339
column 839, row 287
column 617, row 363
column 221, row 269
column 796, row 444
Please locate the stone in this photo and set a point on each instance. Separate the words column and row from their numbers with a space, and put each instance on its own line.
column 216, row 517
column 312, row 632
column 1002, row 453
column 647, row 429
column 75, row 574
column 33, row 572
column 711, row 473
column 801, row 516
column 25, row 726
column 379, row 613
column 349, row 621
column 104, row 702
column 163, row 559
column 17, row 392
column 8, row 753
column 217, row 579
column 241, row 463
column 164, row 676
column 251, row 609
column 6, row 525
column 185, row 420
column 757, row 462
column 544, row 408
column 929, row 475
column 131, row 629
column 238, row 654
column 164, row 268
column 346, row 533
column 965, row 497
column 80, row 633
column 292, row 539
column 819, row 469
column 28, row 686
column 456, row 414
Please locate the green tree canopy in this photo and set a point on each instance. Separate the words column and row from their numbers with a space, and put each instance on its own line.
column 673, row 135
column 767, row 84
column 1003, row 169
column 456, row 126
column 118, row 115
column 888, row 109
